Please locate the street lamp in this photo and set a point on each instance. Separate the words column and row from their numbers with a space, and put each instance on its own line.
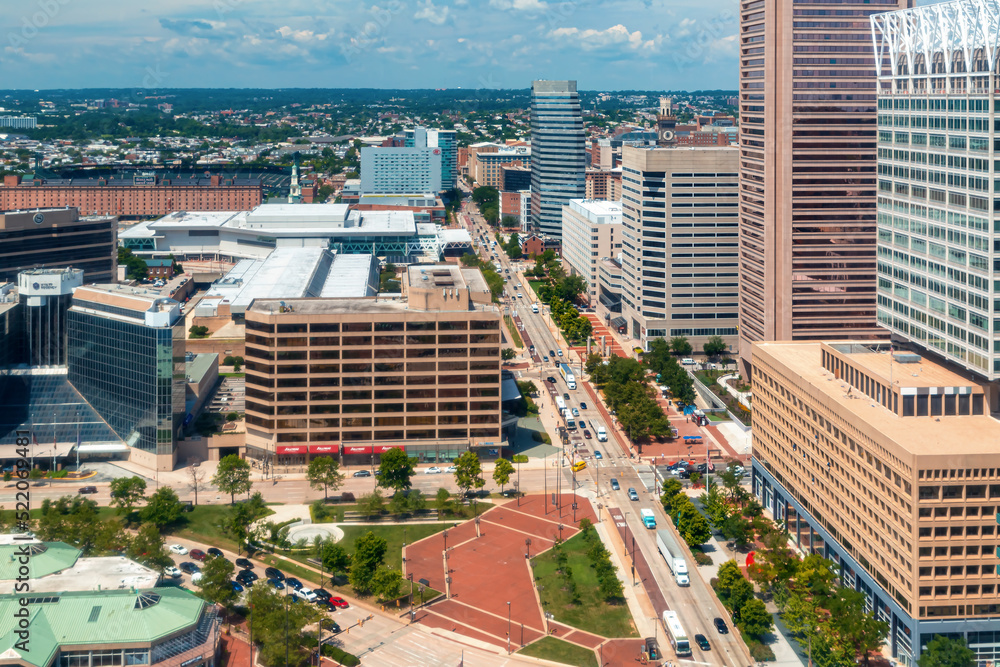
column 527, row 547
column 508, row 628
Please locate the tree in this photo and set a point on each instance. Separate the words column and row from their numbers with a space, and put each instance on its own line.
column 369, row 552
column 126, row 492
column 216, row 575
column 146, row 547
column 242, row 516
column 680, row 346
column 755, row 619
column 371, row 504
column 855, row 628
column 502, row 472
column 324, row 472
column 197, row 331
column 693, row 527
column 232, row 416
column 740, row 594
column 238, row 364
column 334, row 557
column 229, row 360
column 197, row 475
column 272, row 615
column 946, row 652
column 396, row 470
column 469, row 472
column 232, row 477
column 386, row 583
column 163, row 508
column 714, row 346
column 611, row 588
column 442, row 501
column 507, row 354
column 399, row 503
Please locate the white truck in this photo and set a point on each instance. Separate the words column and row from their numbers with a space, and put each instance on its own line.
column 602, row 434
column 672, row 554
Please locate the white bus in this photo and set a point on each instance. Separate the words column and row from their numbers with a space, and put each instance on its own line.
column 560, row 403
column 570, row 422
column 676, row 635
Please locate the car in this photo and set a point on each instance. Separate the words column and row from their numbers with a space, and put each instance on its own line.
column 583, row 406
column 330, row 624
column 721, row 626
column 276, row 584
column 362, row 473
column 88, row 489
column 565, row 396
column 581, row 423
column 587, row 435
column 244, row 563
column 550, row 379
column 552, row 353
column 178, row 549
column 684, row 474
column 305, row 594
column 340, row 603
column 171, row 572
column 325, row 606
column 433, row 470
column 237, row 587
column 598, row 455
column 680, row 472
column 274, row 573
column 196, row 578
column 249, row 574
column 212, row 551
column 558, row 353
column 704, row 467
column 189, row 567
column 292, row 582
column 545, row 359
column 198, row 554
column 576, row 412
column 702, row 642
column 322, row 594
column 614, row 485
column 451, row 469
column 632, row 495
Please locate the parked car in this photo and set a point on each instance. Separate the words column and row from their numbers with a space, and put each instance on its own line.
column 305, row 594
column 189, row 567
column 249, row 574
column 450, row 469
column 325, row 606
column 576, row 412
column 331, row 625
column 702, row 642
column 178, row 549
column 198, row 554
column 171, row 572
column 237, row 587
column 322, row 594
column 274, row 573
column 88, row 489
column 340, row 603
column 721, row 626
column 292, row 582
column 583, row 406
column 598, row 455
column 433, row 470
column 244, row 563
column 632, row 495
column 276, row 584
column 212, row 551
column 362, row 473
column 587, row 435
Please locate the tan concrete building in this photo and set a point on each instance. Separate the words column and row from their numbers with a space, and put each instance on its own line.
column 354, row 378
column 886, row 463
column 807, row 170
column 679, row 249
column 487, row 167
column 592, row 229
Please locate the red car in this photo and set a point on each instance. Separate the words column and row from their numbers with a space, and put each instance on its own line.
column 197, row 554
column 340, row 603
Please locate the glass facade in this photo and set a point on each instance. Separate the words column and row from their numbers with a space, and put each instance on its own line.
column 132, row 374
column 82, row 244
column 558, row 155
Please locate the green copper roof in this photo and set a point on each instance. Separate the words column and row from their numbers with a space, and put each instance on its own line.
column 93, row 617
column 45, row 558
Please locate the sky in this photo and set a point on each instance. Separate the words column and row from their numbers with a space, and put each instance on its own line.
column 494, row 44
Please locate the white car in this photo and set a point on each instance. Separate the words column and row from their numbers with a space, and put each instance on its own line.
column 576, row 412
column 171, row 572
column 433, row 470
column 196, row 578
column 450, row 469
column 178, row 549
column 306, row 594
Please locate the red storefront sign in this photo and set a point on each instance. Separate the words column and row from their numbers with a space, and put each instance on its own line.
column 324, row 449
column 382, row 449
column 297, row 449
column 357, row 449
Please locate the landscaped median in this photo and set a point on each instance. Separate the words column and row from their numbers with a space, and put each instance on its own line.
column 557, row 650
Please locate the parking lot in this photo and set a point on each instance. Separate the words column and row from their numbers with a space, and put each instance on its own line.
column 231, row 395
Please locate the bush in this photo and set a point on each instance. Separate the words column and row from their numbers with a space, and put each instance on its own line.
column 759, row 652
column 519, row 458
column 701, row 558
column 347, row 497
column 232, row 416
column 340, row 655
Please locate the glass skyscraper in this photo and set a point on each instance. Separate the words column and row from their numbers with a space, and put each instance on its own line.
column 126, row 357
column 558, row 155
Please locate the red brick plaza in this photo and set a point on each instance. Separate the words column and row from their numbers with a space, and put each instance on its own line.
column 491, row 570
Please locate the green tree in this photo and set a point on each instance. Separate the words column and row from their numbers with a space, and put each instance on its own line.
column 126, row 492
column 855, row 628
column 740, row 594
column 469, row 472
column 272, row 615
column 681, row 346
column 714, row 346
column 197, row 331
column 416, row 500
column 334, row 557
column 755, row 619
column 242, row 516
column 396, row 470
column 611, row 588
column 947, row 652
column 369, row 553
column 324, row 472
column 229, row 360
column 232, row 477
column 442, row 501
column 216, row 575
column 386, row 583
column 726, row 579
column 507, row 354
column 693, row 527
column 371, row 504
column 238, row 364
column 146, row 547
column 163, row 508
column 502, row 472
column 399, row 503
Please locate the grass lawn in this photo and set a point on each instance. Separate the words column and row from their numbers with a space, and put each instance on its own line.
column 204, row 524
column 550, row 648
column 512, row 330
column 393, row 535
column 592, row 613
column 535, row 284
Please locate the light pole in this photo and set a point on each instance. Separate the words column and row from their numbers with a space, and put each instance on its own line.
column 508, row 628
column 527, row 547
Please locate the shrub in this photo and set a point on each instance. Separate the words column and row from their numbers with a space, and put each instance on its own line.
column 519, row 458
column 340, row 655
column 760, row 652
column 701, row 558
column 347, row 497
column 232, row 416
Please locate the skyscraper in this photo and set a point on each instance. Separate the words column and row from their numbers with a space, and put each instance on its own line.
column 807, row 170
column 937, row 235
column 446, row 140
column 558, row 155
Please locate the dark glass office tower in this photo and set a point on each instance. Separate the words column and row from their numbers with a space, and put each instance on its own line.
column 126, row 357
column 558, row 153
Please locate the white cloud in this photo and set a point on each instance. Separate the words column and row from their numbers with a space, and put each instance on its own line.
column 590, row 39
column 302, row 36
column 429, row 12
column 520, row 5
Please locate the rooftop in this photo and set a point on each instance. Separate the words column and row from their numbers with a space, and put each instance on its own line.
column 901, row 369
column 56, row 566
column 915, row 436
column 598, row 211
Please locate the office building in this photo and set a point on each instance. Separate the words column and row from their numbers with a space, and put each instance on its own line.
column 160, row 627
column 680, row 262
column 591, row 230
column 447, row 141
column 937, row 239
column 354, row 378
column 19, row 122
column 139, row 196
column 45, row 296
column 57, row 238
column 604, row 184
column 487, row 168
column 558, row 153
column 515, row 179
column 126, row 358
column 517, row 205
column 394, row 170
column 807, row 172
column 885, row 463
column 426, row 207
column 609, row 288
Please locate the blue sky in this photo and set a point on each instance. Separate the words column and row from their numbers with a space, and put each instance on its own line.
column 603, row 44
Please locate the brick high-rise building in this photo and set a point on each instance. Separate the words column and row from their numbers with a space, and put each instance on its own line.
column 807, row 170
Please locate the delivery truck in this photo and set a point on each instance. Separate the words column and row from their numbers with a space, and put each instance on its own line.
column 674, row 556
column 648, row 518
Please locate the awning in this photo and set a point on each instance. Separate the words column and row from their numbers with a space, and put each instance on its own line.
column 357, row 449
column 382, row 449
column 692, row 437
column 102, row 447
column 509, row 390
column 296, row 449
column 324, row 449
column 619, row 322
